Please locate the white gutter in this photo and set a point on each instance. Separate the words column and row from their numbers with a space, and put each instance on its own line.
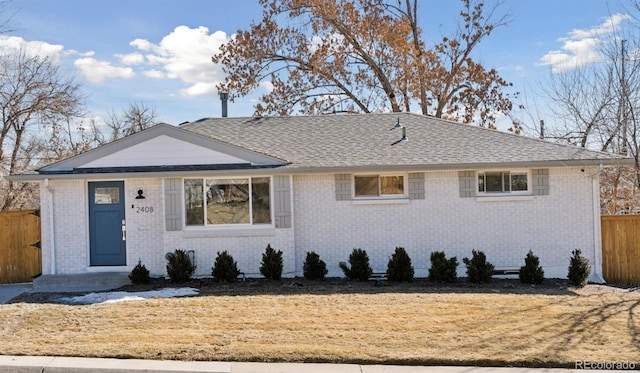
column 52, row 234
column 309, row 169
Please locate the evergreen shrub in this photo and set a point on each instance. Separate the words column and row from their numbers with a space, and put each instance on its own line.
column 313, row 267
column 478, row 268
column 579, row 269
column 531, row 272
column 139, row 274
column 360, row 268
column 443, row 269
column 179, row 266
column 224, row 269
column 271, row 265
column 399, row 267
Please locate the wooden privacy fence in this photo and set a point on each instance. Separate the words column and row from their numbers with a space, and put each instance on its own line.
column 20, row 254
column 621, row 249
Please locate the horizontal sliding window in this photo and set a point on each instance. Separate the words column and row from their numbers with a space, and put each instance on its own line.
column 378, row 185
column 503, row 181
column 229, row 201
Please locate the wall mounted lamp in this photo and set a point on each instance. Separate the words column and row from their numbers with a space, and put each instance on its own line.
column 140, row 194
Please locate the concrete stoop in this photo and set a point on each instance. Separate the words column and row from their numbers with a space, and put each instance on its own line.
column 80, row 282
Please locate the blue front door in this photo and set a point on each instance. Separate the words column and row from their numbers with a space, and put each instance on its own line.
column 106, row 224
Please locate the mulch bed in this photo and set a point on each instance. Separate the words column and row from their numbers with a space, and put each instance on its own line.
column 248, row 287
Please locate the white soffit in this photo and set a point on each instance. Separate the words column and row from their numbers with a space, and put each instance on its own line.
column 163, row 150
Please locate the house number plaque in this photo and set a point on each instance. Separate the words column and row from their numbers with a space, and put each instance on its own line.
column 144, row 209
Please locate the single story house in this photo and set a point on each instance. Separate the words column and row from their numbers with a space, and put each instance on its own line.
column 320, row 183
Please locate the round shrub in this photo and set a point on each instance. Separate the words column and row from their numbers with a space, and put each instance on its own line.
column 313, row 267
column 271, row 265
column 443, row 269
column 399, row 267
column 478, row 269
column 225, row 269
column 360, row 269
column 579, row 269
column 139, row 274
column 179, row 266
column 531, row 272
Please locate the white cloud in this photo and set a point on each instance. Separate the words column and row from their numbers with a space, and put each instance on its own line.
column 73, row 52
column 580, row 47
column 11, row 44
column 185, row 54
column 267, row 86
column 199, row 89
column 131, row 58
column 141, row 44
column 97, row 71
column 607, row 27
column 154, row 74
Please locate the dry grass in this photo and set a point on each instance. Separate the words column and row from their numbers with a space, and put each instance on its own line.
column 419, row 326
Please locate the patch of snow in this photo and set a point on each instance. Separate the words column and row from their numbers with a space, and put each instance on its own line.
column 123, row 296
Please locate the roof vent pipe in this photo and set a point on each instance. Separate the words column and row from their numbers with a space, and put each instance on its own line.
column 224, row 97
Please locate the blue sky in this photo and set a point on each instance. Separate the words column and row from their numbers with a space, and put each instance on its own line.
column 158, row 52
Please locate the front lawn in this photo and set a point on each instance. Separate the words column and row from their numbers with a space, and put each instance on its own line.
column 504, row 323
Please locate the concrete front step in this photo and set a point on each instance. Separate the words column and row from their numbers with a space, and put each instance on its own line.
column 82, row 282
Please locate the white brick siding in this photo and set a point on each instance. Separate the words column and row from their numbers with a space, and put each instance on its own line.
column 146, row 237
column 145, row 222
column 245, row 245
column 70, row 225
column 550, row 225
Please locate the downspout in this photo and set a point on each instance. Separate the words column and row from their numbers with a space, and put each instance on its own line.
column 293, row 227
column 597, row 231
column 52, row 234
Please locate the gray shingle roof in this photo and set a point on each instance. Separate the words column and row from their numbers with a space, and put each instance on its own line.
column 364, row 141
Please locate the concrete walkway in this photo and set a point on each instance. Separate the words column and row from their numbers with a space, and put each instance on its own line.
column 10, row 291
column 46, row 364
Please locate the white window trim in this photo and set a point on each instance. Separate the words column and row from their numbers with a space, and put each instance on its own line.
column 505, row 198
column 380, row 201
column 487, row 195
column 228, row 227
column 405, row 179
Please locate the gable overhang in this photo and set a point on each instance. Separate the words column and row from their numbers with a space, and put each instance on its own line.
column 82, row 163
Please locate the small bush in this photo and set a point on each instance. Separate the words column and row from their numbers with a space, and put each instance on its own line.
column 224, row 269
column 531, row 272
column 360, row 269
column 478, row 269
column 314, row 268
column 179, row 266
column 579, row 269
column 399, row 267
column 271, row 266
column 443, row 269
column 139, row 274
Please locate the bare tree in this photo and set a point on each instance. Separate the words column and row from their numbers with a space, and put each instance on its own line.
column 33, row 95
column 599, row 105
column 586, row 104
column 7, row 19
column 137, row 117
